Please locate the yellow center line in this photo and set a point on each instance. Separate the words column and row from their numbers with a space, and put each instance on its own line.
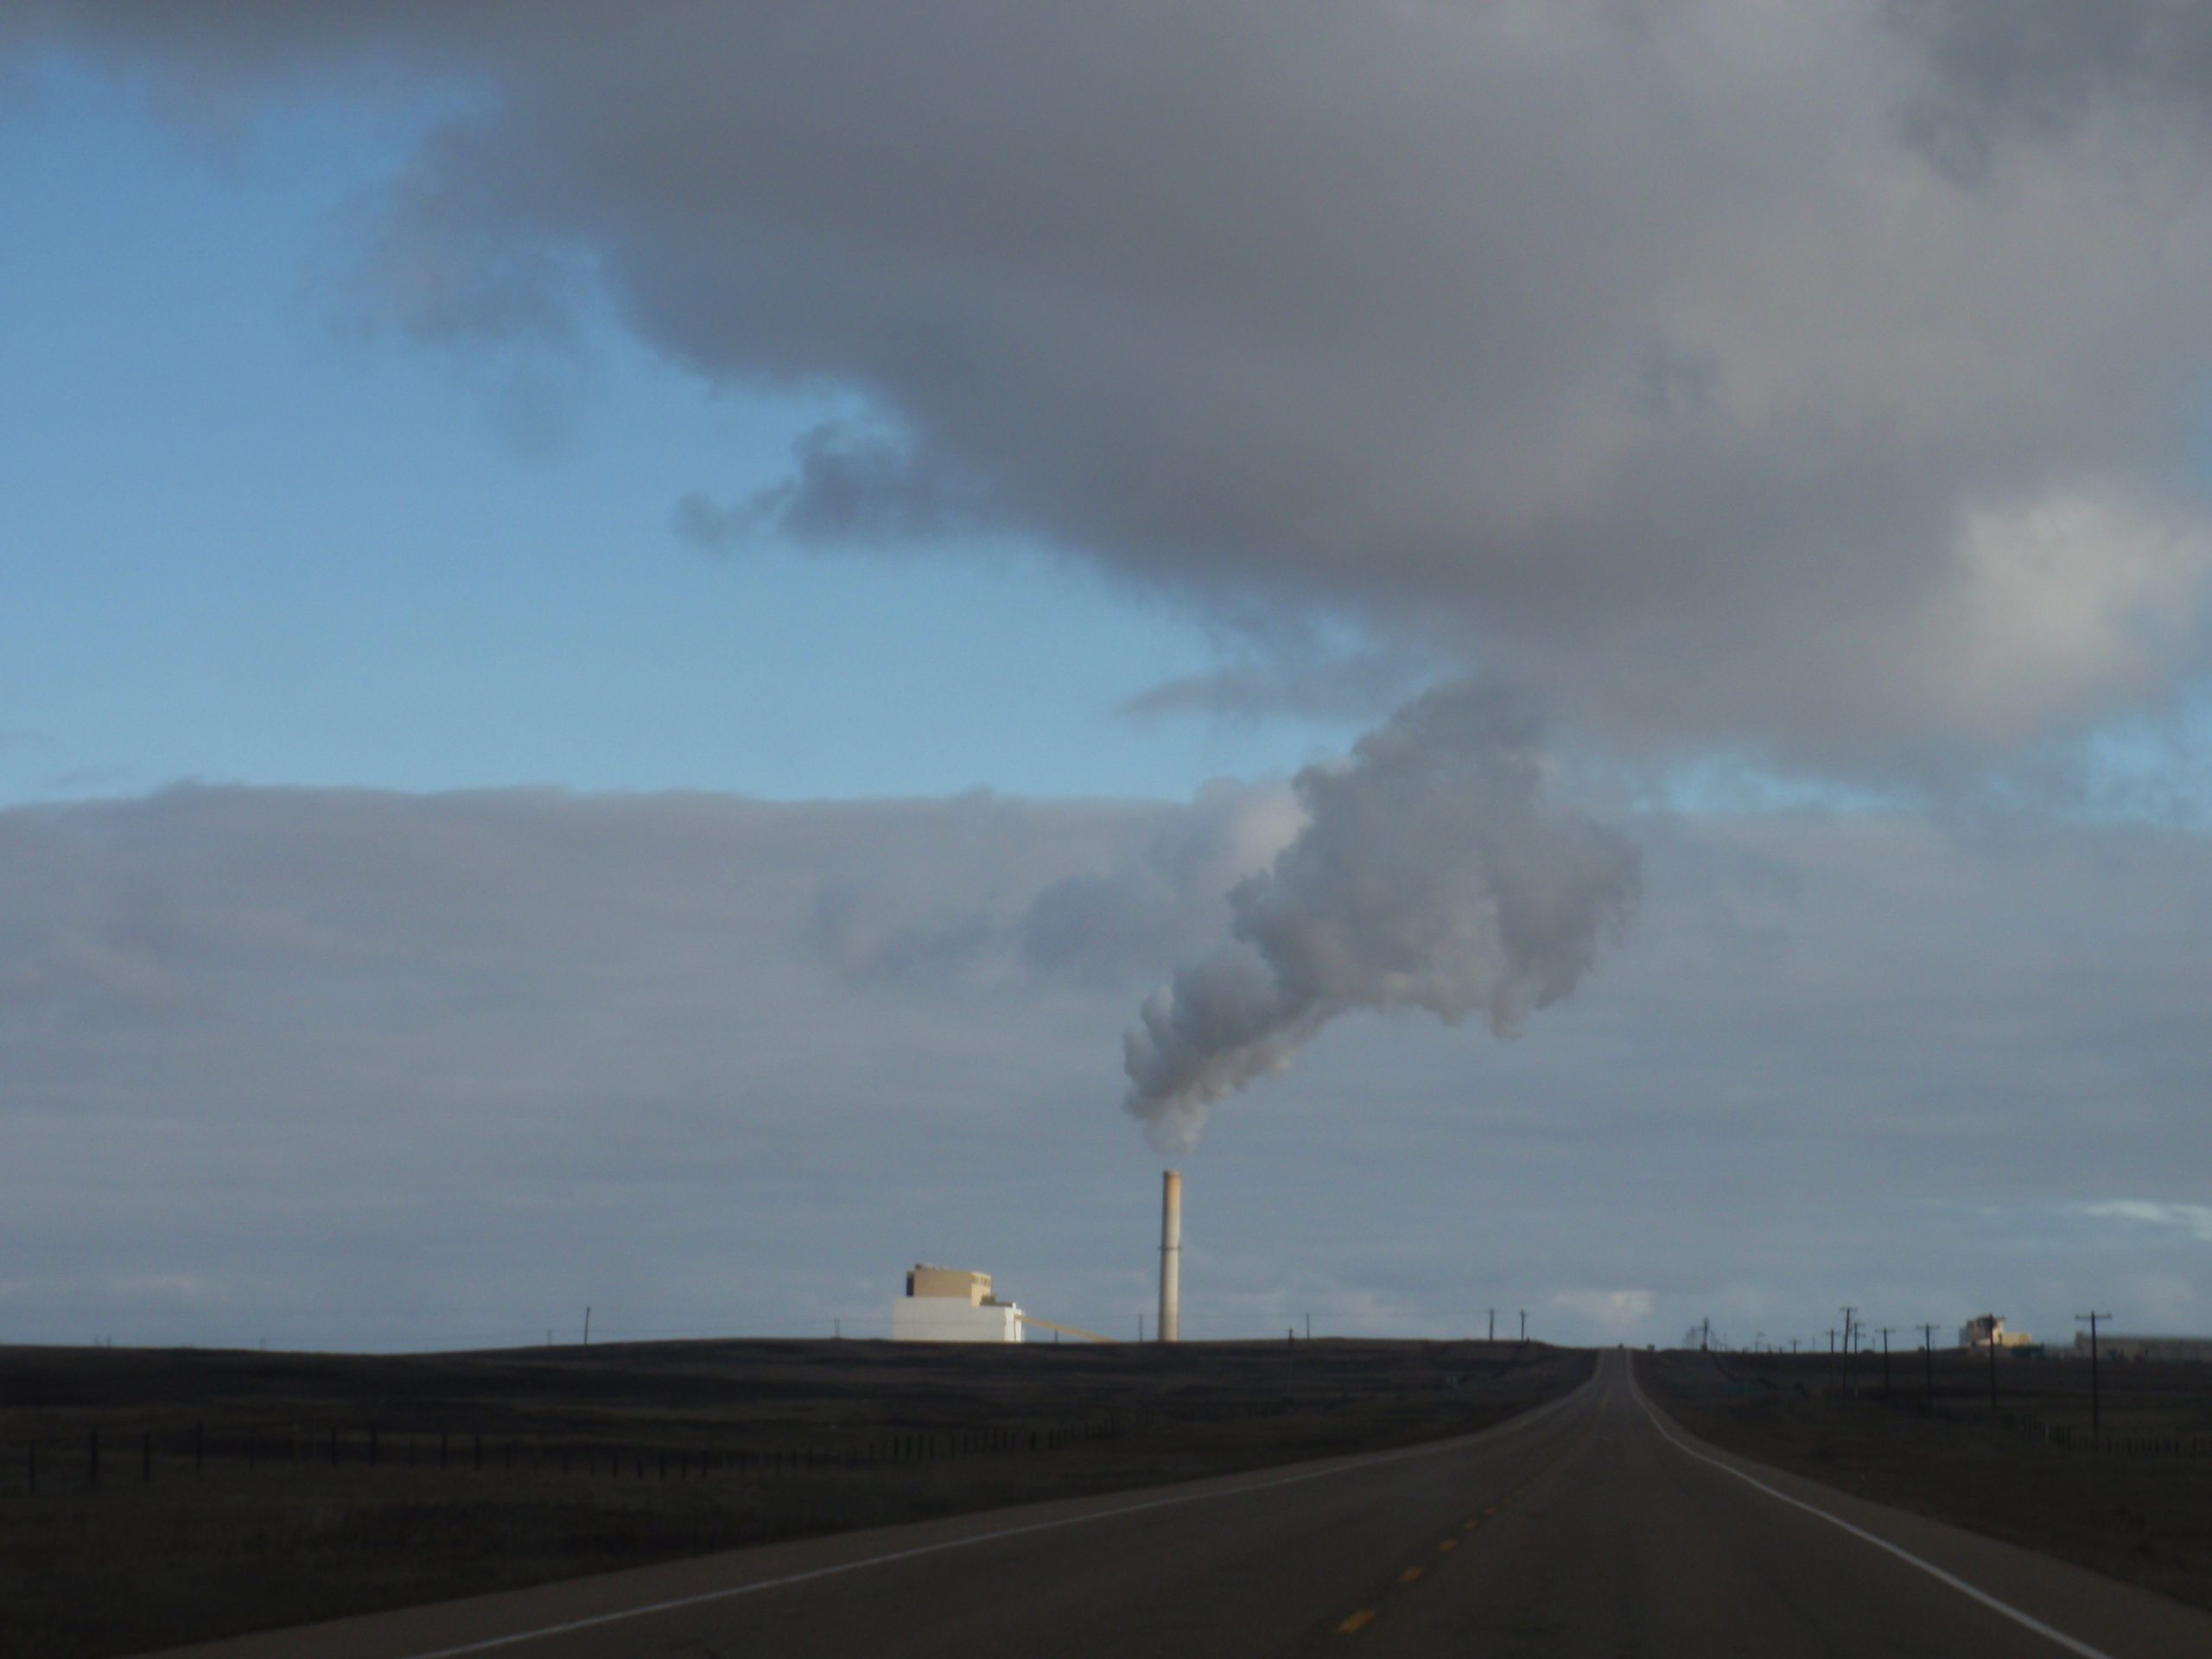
column 1365, row 1615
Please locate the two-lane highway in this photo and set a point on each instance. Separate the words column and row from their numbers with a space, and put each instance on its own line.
column 1641, row 1540
column 1591, row 1526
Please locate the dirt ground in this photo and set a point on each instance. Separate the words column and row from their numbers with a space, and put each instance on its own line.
column 234, row 1492
column 2137, row 1505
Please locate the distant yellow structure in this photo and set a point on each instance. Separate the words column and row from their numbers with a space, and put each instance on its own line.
column 952, row 1305
column 973, row 1288
column 1987, row 1330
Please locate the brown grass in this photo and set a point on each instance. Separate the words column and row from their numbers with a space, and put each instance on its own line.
column 616, row 1456
column 2139, row 1509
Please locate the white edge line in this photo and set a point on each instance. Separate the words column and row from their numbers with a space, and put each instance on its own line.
column 2026, row 1620
column 1519, row 1420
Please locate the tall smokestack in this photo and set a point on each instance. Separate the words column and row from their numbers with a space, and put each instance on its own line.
column 1170, row 1256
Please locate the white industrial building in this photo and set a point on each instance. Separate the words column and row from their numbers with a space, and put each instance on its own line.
column 952, row 1305
column 1987, row 1330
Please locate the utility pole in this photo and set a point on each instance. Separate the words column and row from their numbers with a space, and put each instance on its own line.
column 1850, row 1385
column 837, row 1330
column 2095, row 1402
column 1493, row 1325
column 1705, row 1336
column 1793, row 1342
column 587, row 1325
column 1524, row 1324
column 1928, row 1360
column 1309, row 1327
column 1885, row 1330
column 1992, row 1367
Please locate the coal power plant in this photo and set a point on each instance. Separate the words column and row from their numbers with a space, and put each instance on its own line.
column 958, row 1305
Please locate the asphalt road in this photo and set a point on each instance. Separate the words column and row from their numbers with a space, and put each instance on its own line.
column 1591, row 1527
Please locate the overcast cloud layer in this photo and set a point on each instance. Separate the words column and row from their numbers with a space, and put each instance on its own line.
column 351, row 1067
column 1821, row 377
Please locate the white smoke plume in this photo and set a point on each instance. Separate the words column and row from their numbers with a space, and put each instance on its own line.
column 1432, row 872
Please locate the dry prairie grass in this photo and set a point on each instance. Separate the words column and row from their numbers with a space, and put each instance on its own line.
column 669, row 1450
column 2141, row 1517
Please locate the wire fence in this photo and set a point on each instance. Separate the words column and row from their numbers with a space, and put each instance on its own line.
column 98, row 1458
column 2038, row 1409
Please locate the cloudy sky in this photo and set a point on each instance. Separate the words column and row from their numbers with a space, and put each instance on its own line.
column 669, row 664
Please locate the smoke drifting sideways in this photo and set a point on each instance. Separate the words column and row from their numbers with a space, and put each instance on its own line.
column 1434, row 872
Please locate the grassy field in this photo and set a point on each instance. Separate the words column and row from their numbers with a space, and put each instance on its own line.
column 234, row 1492
column 2137, row 1505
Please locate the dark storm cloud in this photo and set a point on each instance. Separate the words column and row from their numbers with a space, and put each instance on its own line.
column 1360, row 685
column 2040, row 68
column 1667, row 359
column 847, row 488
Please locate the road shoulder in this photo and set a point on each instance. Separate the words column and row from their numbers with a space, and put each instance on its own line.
column 2104, row 1614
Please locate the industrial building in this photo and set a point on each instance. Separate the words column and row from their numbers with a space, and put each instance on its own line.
column 1987, row 1330
column 2112, row 1347
column 956, row 1304
column 952, row 1305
